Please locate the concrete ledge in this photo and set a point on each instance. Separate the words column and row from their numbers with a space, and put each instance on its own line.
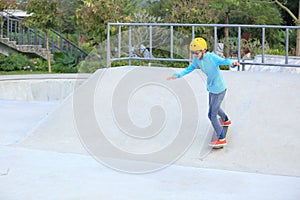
column 44, row 76
column 36, row 87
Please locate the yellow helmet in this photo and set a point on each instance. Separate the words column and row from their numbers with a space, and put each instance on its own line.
column 198, row 44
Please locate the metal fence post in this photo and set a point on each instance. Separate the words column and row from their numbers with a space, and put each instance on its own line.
column 215, row 39
column 239, row 46
column 150, row 42
column 171, row 42
column 263, row 45
column 287, row 46
column 119, row 41
column 108, row 47
column 129, row 46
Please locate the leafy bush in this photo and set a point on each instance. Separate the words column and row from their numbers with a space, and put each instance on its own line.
column 87, row 47
column 36, row 64
column 13, row 61
column 64, row 63
column 280, row 51
column 90, row 66
column 16, row 61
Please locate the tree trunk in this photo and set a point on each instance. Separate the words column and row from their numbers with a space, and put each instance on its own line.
column 48, row 52
column 297, row 20
column 226, row 43
column 298, row 34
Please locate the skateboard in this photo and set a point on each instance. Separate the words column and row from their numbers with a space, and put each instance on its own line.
column 225, row 129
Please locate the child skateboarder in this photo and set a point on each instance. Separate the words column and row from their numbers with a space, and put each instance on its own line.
column 209, row 63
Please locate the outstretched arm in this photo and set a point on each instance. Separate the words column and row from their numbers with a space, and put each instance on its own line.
column 224, row 61
column 234, row 64
column 171, row 78
column 184, row 72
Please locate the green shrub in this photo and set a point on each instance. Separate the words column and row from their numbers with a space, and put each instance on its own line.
column 63, row 63
column 280, row 51
column 36, row 64
column 13, row 61
column 87, row 47
column 16, row 62
column 89, row 66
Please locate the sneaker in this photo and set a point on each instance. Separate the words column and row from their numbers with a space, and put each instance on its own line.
column 218, row 143
column 226, row 123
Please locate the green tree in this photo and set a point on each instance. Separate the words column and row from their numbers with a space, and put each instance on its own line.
column 218, row 12
column 45, row 16
column 158, row 8
column 2, row 5
column 244, row 12
column 225, row 8
column 94, row 15
column 67, row 15
column 296, row 20
column 194, row 12
column 12, row 4
column 190, row 12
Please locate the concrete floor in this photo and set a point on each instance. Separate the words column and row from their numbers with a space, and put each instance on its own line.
column 57, row 149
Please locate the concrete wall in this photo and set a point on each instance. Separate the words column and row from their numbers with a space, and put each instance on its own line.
column 4, row 49
column 39, row 87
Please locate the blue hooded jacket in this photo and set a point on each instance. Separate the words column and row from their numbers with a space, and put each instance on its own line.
column 209, row 64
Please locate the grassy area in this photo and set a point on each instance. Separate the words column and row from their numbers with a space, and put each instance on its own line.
column 20, row 72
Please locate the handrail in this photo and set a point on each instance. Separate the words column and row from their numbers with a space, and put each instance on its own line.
column 70, row 42
column 110, row 57
column 206, row 25
column 11, row 29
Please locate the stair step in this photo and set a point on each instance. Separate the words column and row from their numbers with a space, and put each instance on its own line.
column 36, row 49
column 36, row 34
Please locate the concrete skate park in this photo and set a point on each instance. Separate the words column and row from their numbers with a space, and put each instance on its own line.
column 57, row 133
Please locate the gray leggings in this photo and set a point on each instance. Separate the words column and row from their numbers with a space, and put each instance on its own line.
column 215, row 101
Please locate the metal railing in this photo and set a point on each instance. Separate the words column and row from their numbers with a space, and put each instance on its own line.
column 115, row 43
column 12, row 29
column 61, row 44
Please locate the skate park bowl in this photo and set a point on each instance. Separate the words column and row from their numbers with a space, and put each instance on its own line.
column 131, row 119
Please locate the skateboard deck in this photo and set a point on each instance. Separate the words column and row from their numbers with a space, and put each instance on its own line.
column 225, row 129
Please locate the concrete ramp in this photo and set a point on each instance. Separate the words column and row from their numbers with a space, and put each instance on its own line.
column 134, row 114
column 264, row 108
